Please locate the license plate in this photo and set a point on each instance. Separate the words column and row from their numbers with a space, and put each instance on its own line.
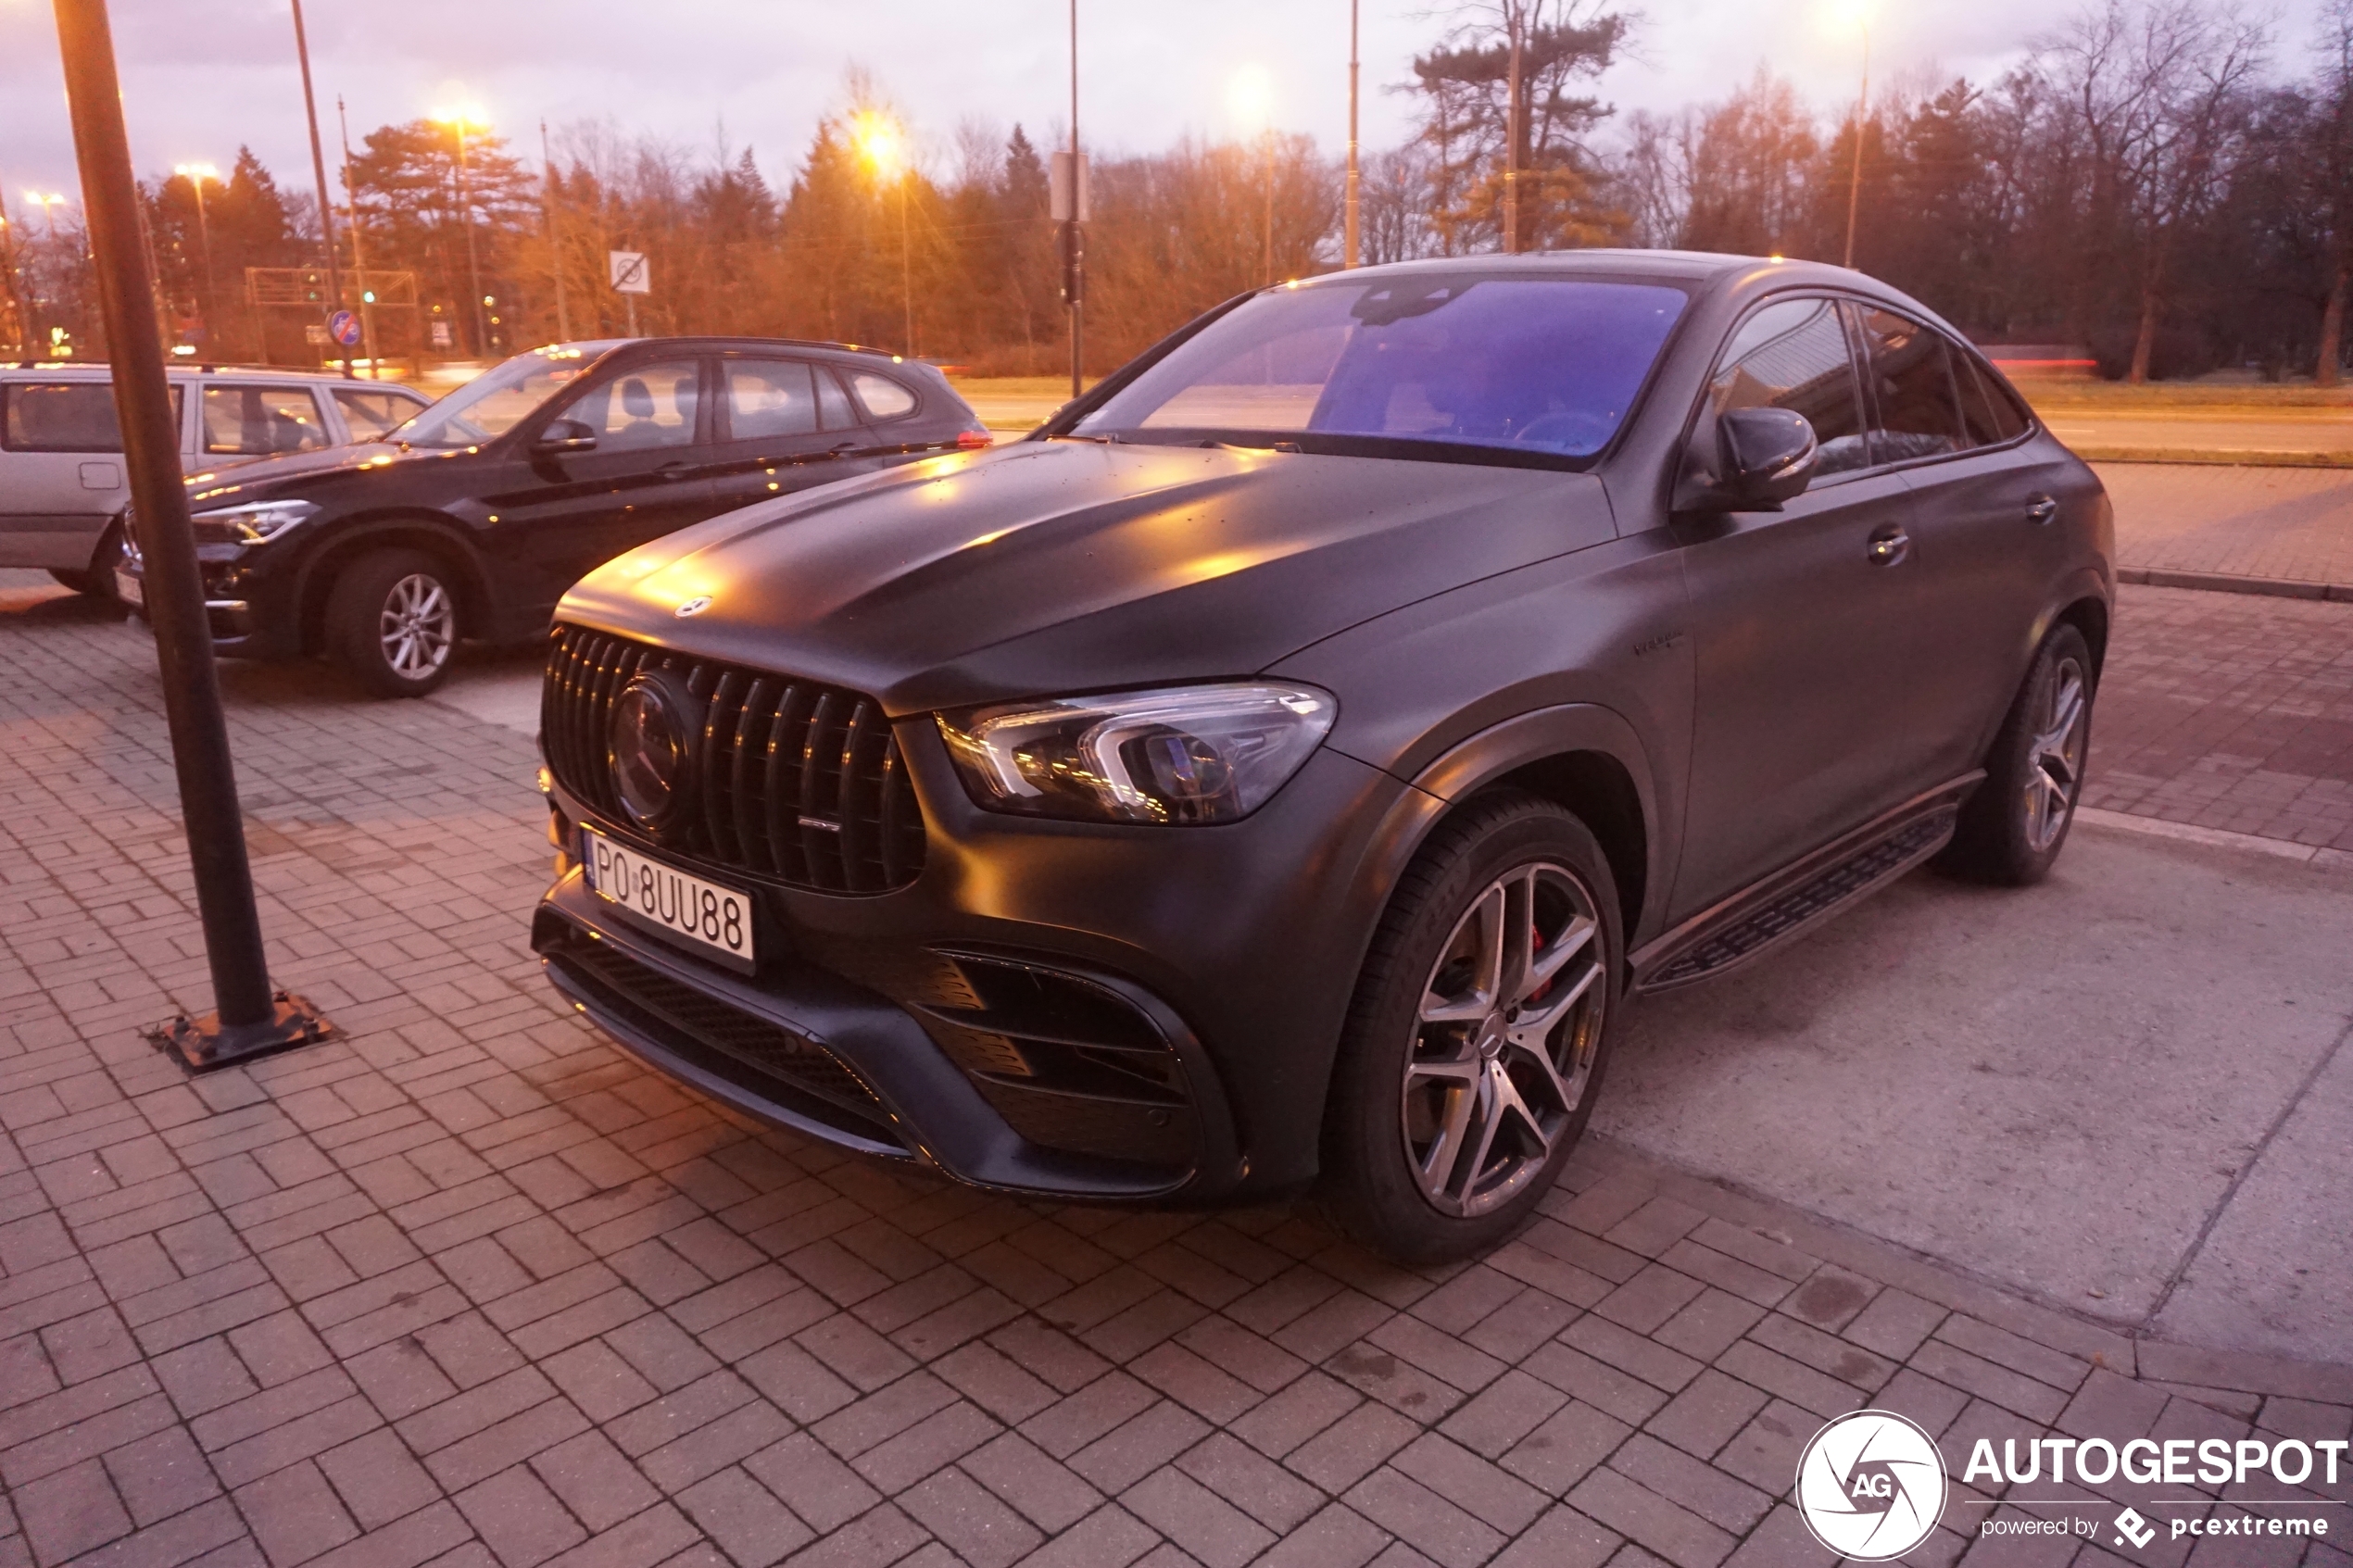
column 705, row 915
column 129, row 590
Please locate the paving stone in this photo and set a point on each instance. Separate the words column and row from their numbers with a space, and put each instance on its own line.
column 744, row 1518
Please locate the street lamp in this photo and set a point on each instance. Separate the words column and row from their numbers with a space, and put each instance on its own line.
column 1854, row 16
column 459, row 122
column 1352, row 230
column 197, row 174
column 884, row 147
column 48, row 206
column 1252, row 97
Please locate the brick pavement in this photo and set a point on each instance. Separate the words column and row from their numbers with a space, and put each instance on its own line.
column 2229, row 711
column 2283, row 523
column 468, row 1288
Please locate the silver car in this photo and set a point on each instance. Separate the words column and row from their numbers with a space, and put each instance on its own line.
column 63, row 486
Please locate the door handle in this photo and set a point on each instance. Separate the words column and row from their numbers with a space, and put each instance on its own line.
column 2041, row 509
column 669, row 471
column 1890, row 543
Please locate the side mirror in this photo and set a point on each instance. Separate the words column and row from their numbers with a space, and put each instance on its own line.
column 1762, row 458
column 565, row 435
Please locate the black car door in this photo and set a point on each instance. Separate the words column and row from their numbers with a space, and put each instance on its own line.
column 785, row 425
column 648, row 474
column 1984, row 504
column 1802, row 621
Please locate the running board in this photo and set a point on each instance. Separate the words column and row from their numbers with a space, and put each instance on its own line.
column 1776, row 910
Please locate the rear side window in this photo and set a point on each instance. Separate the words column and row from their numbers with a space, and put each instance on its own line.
column 1987, row 411
column 1794, row 355
column 767, row 398
column 65, row 416
column 257, row 421
column 834, row 403
column 1916, row 412
column 884, row 398
column 370, row 413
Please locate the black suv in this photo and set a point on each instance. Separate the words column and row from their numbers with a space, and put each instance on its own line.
column 471, row 520
column 1290, row 760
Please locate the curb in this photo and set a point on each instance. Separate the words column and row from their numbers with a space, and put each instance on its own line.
column 2230, row 582
column 2215, row 457
column 2213, row 838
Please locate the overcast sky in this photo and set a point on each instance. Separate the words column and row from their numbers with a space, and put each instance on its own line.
column 200, row 76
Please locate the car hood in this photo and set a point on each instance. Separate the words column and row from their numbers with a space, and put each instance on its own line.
column 309, row 475
column 1062, row 566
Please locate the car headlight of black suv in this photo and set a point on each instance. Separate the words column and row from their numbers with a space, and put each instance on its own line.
column 254, row 523
column 1179, row 754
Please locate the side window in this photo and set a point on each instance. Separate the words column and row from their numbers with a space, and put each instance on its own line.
column 884, row 398
column 770, row 398
column 645, row 408
column 256, row 421
column 1987, row 411
column 834, row 403
column 65, row 416
column 370, row 413
column 1914, row 410
column 1794, row 355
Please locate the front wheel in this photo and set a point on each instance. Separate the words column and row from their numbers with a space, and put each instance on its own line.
column 391, row 621
column 1475, row 1049
column 2012, row 828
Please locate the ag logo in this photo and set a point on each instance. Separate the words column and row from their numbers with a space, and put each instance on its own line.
column 1870, row 1485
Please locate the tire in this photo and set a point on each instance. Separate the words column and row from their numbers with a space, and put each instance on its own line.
column 96, row 580
column 391, row 621
column 2014, row 826
column 1405, row 1168
column 77, row 580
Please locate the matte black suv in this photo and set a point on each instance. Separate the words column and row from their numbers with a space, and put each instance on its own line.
column 1290, row 761
column 471, row 520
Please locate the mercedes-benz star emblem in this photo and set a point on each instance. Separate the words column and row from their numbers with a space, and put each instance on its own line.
column 648, row 753
column 694, row 606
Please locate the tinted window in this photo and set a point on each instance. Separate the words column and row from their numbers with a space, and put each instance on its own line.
column 1987, row 411
column 1543, row 366
column 770, row 398
column 833, row 403
column 643, row 408
column 1794, row 355
column 490, row 405
column 65, row 416
column 884, row 398
column 1916, row 413
column 254, row 422
column 370, row 413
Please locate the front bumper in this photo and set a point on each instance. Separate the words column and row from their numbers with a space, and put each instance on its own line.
column 1050, row 1008
column 249, row 612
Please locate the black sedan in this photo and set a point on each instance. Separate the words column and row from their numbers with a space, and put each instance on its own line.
column 1290, row 764
column 471, row 519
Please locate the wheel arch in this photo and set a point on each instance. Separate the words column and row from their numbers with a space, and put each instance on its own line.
column 422, row 532
column 2090, row 615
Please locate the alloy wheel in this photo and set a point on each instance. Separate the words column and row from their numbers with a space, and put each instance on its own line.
column 1505, row 1039
column 417, row 626
column 2054, row 758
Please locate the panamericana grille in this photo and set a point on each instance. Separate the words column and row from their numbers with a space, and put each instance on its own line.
column 794, row 780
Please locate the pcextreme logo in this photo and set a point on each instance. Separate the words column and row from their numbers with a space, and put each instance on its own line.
column 1870, row 1485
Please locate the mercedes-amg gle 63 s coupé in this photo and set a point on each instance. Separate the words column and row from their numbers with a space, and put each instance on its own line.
column 1286, row 766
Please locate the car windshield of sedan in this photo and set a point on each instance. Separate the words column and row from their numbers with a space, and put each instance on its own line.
column 492, row 403
column 1477, row 366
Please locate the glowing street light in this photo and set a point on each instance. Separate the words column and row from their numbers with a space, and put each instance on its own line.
column 883, row 146
column 1251, row 96
column 197, row 174
column 1840, row 18
column 461, row 120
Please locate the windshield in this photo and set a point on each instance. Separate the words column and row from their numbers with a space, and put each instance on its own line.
column 1540, row 366
column 492, row 403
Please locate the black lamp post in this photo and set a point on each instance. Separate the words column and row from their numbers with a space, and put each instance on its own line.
column 250, row 1017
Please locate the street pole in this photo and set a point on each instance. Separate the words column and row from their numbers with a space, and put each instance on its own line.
column 1349, row 253
column 10, row 289
column 473, row 256
column 358, row 260
column 1855, row 186
column 1270, row 205
column 555, row 238
column 1511, row 141
column 249, row 1018
column 318, row 172
column 906, row 265
column 1073, row 235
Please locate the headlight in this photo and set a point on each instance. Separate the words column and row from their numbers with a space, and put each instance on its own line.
column 1179, row 754
column 256, row 520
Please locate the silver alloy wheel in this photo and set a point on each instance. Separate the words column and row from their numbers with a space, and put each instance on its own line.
column 1505, row 1039
column 418, row 625
column 2055, row 759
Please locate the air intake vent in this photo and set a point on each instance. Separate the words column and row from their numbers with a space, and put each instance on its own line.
column 797, row 781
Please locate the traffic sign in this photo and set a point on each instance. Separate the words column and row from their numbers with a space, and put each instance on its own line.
column 629, row 272
column 345, row 328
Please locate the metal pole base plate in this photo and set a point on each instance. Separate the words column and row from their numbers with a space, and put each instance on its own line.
column 203, row 1044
